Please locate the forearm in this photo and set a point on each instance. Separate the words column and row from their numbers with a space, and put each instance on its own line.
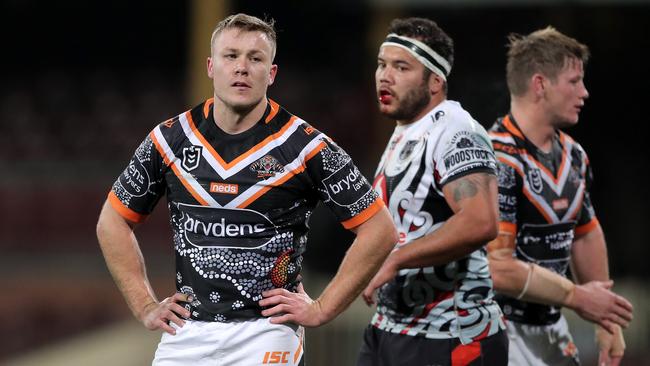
column 459, row 236
column 124, row 260
column 362, row 260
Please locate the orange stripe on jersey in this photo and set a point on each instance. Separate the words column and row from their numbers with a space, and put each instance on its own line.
column 364, row 215
column 583, row 229
column 464, row 354
column 508, row 227
column 206, row 107
column 285, row 178
column 177, row 172
column 507, row 123
column 527, row 193
column 124, row 211
column 255, row 148
column 275, row 107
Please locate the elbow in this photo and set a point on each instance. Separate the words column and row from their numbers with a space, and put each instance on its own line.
column 483, row 231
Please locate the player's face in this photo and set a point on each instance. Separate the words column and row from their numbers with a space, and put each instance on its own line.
column 566, row 94
column 402, row 92
column 241, row 68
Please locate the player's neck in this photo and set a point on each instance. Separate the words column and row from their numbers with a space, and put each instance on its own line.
column 534, row 123
column 233, row 121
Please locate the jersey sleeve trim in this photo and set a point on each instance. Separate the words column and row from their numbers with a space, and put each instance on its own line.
column 508, row 228
column 364, row 215
column 481, row 169
column 583, row 229
column 124, row 211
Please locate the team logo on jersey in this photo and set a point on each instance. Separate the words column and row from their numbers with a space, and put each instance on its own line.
column 211, row 227
column 535, row 180
column 191, row 157
column 266, row 167
column 408, row 149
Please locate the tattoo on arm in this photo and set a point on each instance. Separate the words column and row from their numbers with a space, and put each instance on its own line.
column 469, row 186
column 464, row 189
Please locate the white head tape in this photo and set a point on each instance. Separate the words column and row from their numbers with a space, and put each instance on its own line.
column 423, row 53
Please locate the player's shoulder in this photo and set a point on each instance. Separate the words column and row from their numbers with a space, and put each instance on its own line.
column 574, row 146
column 293, row 129
column 450, row 114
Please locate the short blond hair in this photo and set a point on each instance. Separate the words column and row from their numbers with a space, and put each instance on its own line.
column 247, row 23
column 544, row 51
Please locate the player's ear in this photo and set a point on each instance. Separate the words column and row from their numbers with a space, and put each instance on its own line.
column 538, row 85
column 209, row 66
column 436, row 83
column 273, row 73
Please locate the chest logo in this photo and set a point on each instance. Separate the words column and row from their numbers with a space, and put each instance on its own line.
column 535, row 180
column 267, row 167
column 191, row 157
column 408, row 149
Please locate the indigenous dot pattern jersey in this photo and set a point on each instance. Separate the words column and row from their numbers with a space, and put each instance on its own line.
column 454, row 300
column 544, row 202
column 239, row 204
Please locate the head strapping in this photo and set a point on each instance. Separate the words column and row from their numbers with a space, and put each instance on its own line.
column 423, row 53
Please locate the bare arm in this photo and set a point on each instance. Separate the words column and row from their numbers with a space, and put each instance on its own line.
column 473, row 198
column 589, row 263
column 375, row 239
column 126, row 264
column 527, row 281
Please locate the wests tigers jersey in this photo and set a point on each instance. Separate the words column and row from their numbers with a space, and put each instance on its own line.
column 446, row 301
column 239, row 204
column 544, row 202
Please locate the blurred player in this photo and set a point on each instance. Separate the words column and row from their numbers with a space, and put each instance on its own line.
column 241, row 176
column 547, row 218
column 438, row 178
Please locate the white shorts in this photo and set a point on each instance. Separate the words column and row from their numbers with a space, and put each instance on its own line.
column 541, row 345
column 255, row 342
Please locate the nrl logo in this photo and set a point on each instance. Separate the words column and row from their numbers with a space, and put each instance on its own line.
column 535, row 180
column 266, row 167
column 191, row 157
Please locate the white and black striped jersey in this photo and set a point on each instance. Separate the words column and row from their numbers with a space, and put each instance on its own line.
column 239, row 204
column 543, row 202
column 447, row 301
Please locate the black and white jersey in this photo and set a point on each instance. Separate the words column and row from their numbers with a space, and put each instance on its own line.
column 446, row 301
column 544, row 202
column 239, row 204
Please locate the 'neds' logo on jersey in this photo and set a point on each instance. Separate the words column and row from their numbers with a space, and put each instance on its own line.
column 211, row 227
column 347, row 179
column 135, row 178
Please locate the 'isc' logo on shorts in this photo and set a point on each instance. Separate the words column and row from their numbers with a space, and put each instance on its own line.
column 276, row 357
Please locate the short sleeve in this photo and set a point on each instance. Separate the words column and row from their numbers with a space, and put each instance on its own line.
column 509, row 188
column 463, row 148
column 341, row 186
column 138, row 189
column 586, row 220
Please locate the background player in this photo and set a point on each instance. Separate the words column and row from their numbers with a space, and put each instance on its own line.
column 437, row 176
column 241, row 176
column 547, row 218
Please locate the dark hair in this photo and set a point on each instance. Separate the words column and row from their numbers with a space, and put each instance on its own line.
column 544, row 51
column 247, row 23
column 427, row 32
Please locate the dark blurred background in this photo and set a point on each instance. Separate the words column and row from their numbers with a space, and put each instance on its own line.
column 83, row 83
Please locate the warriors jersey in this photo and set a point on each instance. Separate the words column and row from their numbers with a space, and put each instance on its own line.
column 239, row 204
column 454, row 300
column 544, row 202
